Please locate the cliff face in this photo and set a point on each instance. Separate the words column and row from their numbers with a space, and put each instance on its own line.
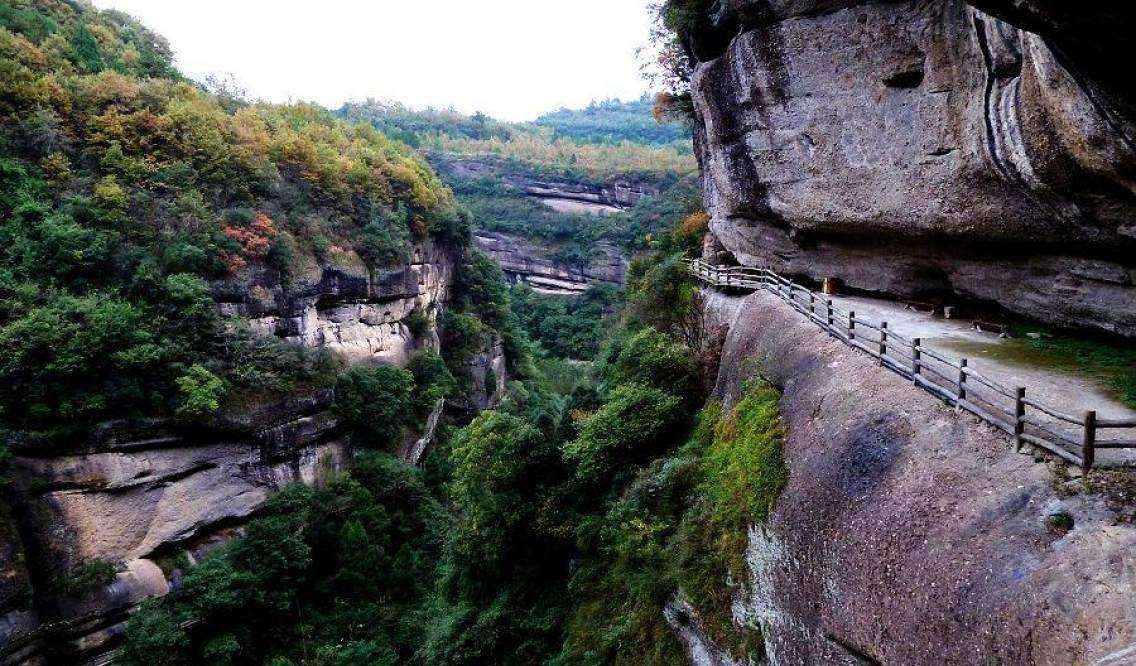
column 926, row 149
column 564, row 195
column 523, row 261
column 358, row 314
column 908, row 533
column 141, row 496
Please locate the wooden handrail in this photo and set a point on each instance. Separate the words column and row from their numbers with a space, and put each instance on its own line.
column 842, row 325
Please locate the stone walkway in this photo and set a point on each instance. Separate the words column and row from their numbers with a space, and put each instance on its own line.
column 1068, row 392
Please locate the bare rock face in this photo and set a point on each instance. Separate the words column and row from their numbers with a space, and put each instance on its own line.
column 910, row 534
column 700, row 649
column 523, row 261
column 18, row 616
column 926, row 148
column 359, row 314
column 137, row 496
column 487, row 373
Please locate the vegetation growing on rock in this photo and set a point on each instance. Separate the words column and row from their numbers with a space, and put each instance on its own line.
column 129, row 193
column 551, row 530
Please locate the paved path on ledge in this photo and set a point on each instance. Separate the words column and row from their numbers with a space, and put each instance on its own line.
column 1070, row 392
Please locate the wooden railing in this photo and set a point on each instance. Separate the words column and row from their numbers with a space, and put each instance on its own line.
column 1072, row 437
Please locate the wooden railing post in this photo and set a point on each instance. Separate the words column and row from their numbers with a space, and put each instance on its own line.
column 828, row 305
column 916, row 360
column 1088, row 444
column 851, row 326
column 883, row 341
column 962, row 380
column 1019, row 417
column 812, row 302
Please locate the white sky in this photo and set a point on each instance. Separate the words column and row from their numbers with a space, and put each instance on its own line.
column 512, row 59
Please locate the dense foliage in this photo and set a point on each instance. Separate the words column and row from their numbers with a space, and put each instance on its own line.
column 551, row 530
column 604, row 140
column 607, row 141
column 570, row 327
column 613, row 121
column 411, row 126
column 128, row 193
column 328, row 576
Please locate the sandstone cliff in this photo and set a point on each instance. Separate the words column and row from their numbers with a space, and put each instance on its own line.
column 910, row 534
column 565, row 195
column 524, row 261
column 928, row 148
column 149, row 497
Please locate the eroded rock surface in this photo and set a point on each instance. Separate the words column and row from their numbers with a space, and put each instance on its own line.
column 911, row 534
column 359, row 314
column 926, row 149
column 139, row 495
column 524, row 261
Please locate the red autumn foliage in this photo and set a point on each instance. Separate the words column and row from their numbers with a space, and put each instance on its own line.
column 255, row 239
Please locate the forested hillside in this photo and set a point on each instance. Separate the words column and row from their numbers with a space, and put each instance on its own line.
column 130, row 195
column 614, row 121
column 493, row 167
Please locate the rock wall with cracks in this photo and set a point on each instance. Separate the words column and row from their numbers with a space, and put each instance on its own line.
column 525, row 261
column 909, row 533
column 926, row 149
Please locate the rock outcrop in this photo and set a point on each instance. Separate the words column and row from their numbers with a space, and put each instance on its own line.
column 927, row 148
column 486, row 374
column 523, row 261
column 909, row 533
column 361, row 315
column 565, row 195
column 137, row 496
column 142, row 497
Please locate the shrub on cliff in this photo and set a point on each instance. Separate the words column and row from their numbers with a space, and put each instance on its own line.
column 633, row 426
column 201, row 392
column 375, row 404
column 333, row 573
column 653, row 358
column 681, row 525
column 433, row 381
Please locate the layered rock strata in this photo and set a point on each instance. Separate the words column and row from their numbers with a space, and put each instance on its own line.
column 145, row 497
column 524, row 261
column 926, row 149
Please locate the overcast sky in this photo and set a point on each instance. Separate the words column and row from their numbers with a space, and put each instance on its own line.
column 512, row 59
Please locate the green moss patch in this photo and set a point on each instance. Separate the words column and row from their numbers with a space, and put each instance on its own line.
column 1110, row 364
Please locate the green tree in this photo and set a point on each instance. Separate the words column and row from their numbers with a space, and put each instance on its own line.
column 433, row 381
column 635, row 424
column 85, row 49
column 201, row 392
column 375, row 404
